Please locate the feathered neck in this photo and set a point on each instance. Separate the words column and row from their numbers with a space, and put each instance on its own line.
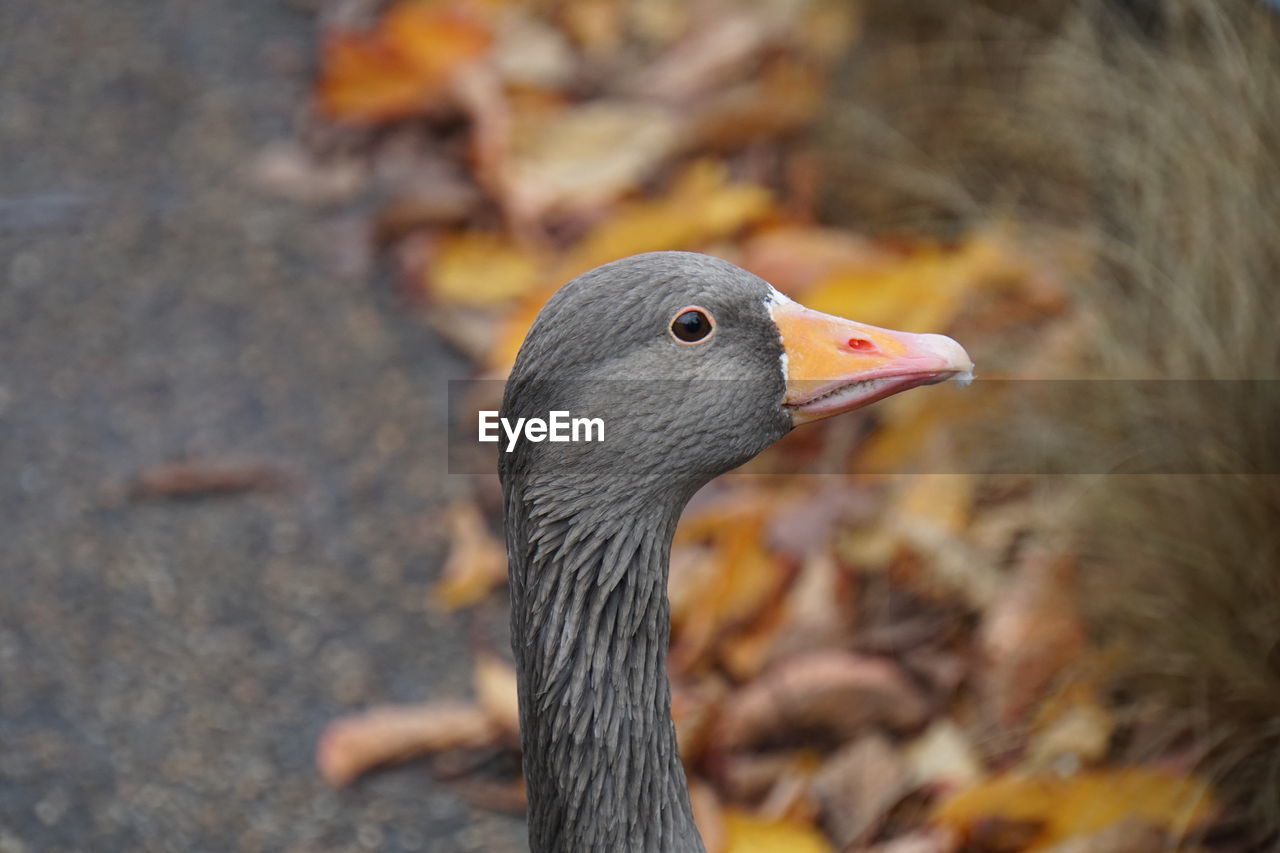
column 590, row 625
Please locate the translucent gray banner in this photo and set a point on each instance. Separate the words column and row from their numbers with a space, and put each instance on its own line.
column 1089, row 427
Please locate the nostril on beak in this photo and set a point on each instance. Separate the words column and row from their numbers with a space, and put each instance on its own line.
column 860, row 345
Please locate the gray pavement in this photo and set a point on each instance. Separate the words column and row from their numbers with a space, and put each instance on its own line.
column 166, row 665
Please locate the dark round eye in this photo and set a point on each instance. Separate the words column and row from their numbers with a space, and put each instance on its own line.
column 691, row 325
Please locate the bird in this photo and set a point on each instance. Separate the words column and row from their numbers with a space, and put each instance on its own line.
column 694, row 366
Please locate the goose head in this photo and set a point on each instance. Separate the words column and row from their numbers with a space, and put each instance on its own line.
column 694, row 366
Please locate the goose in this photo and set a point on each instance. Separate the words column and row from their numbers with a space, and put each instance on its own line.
column 694, row 366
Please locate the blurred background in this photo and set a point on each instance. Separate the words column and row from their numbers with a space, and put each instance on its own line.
column 245, row 247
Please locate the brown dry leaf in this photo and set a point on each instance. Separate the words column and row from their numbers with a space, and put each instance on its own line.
column 1067, row 807
column 1127, row 836
column 477, row 268
column 857, row 787
column 425, row 190
column 803, row 521
column 352, row 745
column 586, row 156
column 753, row 776
column 596, row 26
column 747, row 833
column 738, row 580
column 743, row 653
column 477, row 561
column 834, row 691
column 287, row 170
column 709, row 58
column 746, row 580
column 532, row 52
column 1071, row 729
column 815, row 613
column 194, row 478
column 708, row 814
column 404, row 65
column 790, row 795
column 703, row 205
column 1031, row 636
column 827, row 28
column 694, row 708
column 692, row 569
column 783, row 100
column 468, row 330
column 495, row 684
column 999, row 834
column 922, row 841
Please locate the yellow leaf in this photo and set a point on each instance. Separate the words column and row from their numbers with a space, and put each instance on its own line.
column 922, row 292
column 918, row 294
column 940, row 503
column 703, row 205
column 746, row 833
column 402, row 66
column 1082, row 804
column 478, row 269
column 918, row 429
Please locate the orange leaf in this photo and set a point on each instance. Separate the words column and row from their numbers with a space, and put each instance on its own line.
column 737, row 581
column 1067, row 807
column 477, row 561
column 353, row 745
column 401, row 66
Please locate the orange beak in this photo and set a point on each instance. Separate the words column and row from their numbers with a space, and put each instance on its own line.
column 834, row 365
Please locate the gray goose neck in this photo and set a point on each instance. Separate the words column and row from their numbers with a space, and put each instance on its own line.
column 590, row 626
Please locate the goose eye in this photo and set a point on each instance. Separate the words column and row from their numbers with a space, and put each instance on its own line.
column 691, row 325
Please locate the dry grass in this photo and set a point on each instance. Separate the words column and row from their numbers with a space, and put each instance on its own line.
column 1156, row 134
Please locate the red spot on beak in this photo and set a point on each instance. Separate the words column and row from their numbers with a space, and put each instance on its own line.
column 860, row 345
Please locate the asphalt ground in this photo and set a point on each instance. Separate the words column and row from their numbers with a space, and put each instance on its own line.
column 166, row 665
